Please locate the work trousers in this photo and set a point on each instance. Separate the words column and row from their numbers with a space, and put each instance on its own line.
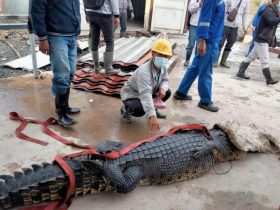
column 63, row 58
column 252, row 43
column 201, row 67
column 123, row 20
column 260, row 50
column 134, row 106
column 102, row 23
column 192, row 37
column 229, row 35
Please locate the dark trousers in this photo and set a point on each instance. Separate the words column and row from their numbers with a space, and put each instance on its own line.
column 134, row 106
column 102, row 23
column 123, row 19
column 230, row 35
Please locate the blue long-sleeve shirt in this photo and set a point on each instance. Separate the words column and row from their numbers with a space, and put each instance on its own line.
column 211, row 21
column 63, row 18
column 256, row 19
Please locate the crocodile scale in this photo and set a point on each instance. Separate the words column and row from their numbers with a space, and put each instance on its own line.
column 181, row 156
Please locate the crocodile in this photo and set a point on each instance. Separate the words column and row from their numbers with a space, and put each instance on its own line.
column 186, row 154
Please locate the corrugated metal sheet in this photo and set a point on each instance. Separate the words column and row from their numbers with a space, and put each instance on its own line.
column 129, row 54
column 127, row 50
column 25, row 63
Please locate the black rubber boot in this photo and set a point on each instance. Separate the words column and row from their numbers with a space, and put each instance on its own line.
column 269, row 79
column 217, row 59
column 224, row 59
column 187, row 62
column 242, row 69
column 68, row 108
column 126, row 118
column 61, row 109
column 160, row 115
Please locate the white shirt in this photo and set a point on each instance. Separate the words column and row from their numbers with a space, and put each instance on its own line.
column 242, row 15
column 194, row 8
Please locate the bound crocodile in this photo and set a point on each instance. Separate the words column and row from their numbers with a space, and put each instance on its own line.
column 181, row 156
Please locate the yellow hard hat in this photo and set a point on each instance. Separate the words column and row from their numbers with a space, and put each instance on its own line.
column 163, row 46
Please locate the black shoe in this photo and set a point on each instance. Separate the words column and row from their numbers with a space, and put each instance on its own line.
column 160, row 115
column 66, row 121
column 70, row 110
column 181, row 97
column 61, row 109
column 126, row 118
column 209, row 107
column 187, row 62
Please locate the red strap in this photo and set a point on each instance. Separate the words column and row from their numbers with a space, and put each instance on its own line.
column 125, row 150
column 65, row 141
column 51, row 121
column 59, row 205
column 15, row 116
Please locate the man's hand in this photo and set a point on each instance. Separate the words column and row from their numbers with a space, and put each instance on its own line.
column 202, row 47
column 162, row 93
column 154, row 125
column 44, row 46
column 131, row 16
column 116, row 22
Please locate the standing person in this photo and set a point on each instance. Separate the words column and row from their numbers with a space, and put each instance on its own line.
column 124, row 7
column 194, row 9
column 208, row 33
column 266, row 29
column 147, row 82
column 57, row 24
column 255, row 24
column 103, row 17
column 232, row 23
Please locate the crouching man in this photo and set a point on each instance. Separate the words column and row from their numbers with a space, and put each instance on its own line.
column 147, row 82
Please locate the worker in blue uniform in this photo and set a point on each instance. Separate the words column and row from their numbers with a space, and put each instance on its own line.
column 209, row 33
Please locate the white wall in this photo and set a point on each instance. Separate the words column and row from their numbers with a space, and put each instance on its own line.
column 15, row 6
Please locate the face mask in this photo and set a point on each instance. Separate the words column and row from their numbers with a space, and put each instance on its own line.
column 161, row 62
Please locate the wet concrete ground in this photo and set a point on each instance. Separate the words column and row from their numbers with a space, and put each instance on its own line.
column 252, row 183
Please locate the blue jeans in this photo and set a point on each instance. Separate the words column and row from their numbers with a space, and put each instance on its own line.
column 192, row 37
column 201, row 67
column 63, row 58
column 123, row 20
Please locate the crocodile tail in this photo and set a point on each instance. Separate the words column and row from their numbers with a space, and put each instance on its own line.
column 47, row 182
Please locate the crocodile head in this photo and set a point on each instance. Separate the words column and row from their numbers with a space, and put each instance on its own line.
column 225, row 149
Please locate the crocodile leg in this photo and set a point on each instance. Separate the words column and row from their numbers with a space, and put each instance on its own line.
column 124, row 180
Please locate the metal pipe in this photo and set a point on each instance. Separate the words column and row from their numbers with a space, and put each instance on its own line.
column 33, row 54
